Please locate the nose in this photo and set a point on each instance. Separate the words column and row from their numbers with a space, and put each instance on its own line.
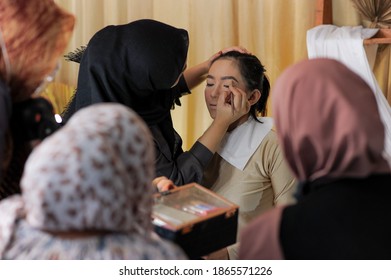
column 217, row 90
column 214, row 92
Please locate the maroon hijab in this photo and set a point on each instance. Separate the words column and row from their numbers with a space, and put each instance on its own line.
column 327, row 121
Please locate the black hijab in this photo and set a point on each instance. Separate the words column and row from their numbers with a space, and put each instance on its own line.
column 5, row 113
column 135, row 64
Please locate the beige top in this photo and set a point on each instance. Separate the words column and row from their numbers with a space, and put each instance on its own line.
column 265, row 181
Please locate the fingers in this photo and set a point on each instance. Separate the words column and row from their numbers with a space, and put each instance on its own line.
column 239, row 101
column 157, row 180
column 229, row 49
column 235, row 48
column 216, row 55
column 224, row 98
column 163, row 184
column 232, row 104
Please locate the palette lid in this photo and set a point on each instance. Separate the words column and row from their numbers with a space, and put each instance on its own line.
column 189, row 204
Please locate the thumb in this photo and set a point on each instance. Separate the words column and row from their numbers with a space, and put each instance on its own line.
column 223, row 98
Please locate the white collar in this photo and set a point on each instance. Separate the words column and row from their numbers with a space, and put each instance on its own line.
column 240, row 144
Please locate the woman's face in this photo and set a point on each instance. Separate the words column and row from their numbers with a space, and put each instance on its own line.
column 222, row 73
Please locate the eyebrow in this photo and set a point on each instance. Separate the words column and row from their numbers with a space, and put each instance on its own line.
column 223, row 78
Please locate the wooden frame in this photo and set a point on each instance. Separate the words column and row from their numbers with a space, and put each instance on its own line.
column 324, row 12
column 324, row 15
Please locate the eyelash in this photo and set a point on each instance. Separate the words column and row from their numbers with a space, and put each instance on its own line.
column 210, row 85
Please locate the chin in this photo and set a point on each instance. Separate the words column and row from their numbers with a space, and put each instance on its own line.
column 212, row 113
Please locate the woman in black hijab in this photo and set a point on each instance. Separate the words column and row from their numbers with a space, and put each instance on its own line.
column 140, row 65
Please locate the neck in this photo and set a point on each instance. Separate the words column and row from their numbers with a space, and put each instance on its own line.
column 238, row 122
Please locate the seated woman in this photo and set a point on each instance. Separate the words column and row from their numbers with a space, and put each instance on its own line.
column 86, row 193
column 249, row 168
column 332, row 136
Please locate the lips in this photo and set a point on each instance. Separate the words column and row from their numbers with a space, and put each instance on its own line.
column 213, row 106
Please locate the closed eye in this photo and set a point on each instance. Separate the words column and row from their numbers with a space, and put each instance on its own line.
column 210, row 81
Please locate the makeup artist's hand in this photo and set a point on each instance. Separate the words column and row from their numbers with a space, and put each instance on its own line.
column 225, row 50
column 231, row 105
column 196, row 74
column 163, row 184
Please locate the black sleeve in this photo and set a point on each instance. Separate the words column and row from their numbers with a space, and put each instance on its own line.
column 182, row 88
column 182, row 167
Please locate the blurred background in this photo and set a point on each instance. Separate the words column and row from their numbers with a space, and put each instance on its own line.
column 273, row 30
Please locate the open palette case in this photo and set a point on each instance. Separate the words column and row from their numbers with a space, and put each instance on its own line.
column 197, row 219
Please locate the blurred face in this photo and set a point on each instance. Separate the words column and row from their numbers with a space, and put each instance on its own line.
column 222, row 73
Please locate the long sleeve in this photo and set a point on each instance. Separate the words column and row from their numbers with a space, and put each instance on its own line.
column 181, row 167
column 275, row 165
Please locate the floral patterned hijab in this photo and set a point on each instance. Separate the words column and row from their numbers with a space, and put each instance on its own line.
column 327, row 122
column 93, row 174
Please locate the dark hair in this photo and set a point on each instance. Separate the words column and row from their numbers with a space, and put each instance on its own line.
column 253, row 72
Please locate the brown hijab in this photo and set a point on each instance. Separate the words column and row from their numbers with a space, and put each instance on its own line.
column 327, row 121
column 35, row 34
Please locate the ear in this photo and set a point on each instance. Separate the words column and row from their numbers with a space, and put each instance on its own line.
column 255, row 95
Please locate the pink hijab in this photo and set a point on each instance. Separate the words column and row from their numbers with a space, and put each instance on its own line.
column 329, row 127
column 327, row 121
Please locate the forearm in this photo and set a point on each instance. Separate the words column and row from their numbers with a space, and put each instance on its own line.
column 196, row 74
column 212, row 137
column 186, row 167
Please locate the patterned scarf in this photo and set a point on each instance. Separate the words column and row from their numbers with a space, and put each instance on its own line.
column 93, row 174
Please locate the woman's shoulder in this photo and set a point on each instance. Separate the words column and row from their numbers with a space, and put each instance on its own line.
column 270, row 138
column 31, row 243
column 270, row 148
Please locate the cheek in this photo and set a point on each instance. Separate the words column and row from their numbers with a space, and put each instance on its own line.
column 207, row 94
column 208, row 101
